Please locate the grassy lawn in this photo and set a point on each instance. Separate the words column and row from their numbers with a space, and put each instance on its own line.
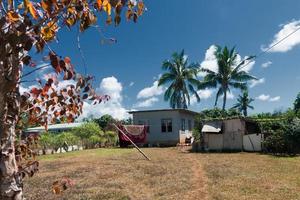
column 123, row 174
column 115, row 174
column 251, row 176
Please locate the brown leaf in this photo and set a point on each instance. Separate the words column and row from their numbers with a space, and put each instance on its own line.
column 13, row 16
column 32, row 10
column 117, row 20
column 141, row 8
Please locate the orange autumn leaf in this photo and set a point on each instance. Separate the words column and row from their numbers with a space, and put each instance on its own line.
column 13, row 16
column 32, row 10
column 106, row 6
column 141, row 8
column 99, row 4
column 46, row 5
column 48, row 32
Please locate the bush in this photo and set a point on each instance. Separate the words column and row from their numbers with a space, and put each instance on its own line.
column 86, row 131
column 283, row 137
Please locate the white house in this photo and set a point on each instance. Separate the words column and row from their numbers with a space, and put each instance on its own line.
column 165, row 126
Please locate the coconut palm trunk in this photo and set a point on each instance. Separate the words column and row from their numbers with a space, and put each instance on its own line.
column 224, row 99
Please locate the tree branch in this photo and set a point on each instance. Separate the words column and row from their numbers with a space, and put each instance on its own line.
column 39, row 68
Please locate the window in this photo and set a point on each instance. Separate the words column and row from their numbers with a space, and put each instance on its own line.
column 166, row 125
column 145, row 123
column 190, row 125
column 183, row 124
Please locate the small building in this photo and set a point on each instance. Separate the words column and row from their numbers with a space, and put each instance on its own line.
column 240, row 134
column 165, row 126
column 56, row 128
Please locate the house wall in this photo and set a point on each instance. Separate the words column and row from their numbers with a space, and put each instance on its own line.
column 252, row 142
column 186, row 133
column 213, row 141
column 155, row 135
column 234, row 130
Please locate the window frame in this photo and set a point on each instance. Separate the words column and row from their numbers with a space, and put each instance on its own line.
column 165, row 125
column 190, row 125
column 183, row 124
column 146, row 123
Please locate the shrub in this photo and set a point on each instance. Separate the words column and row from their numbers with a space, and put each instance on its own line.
column 283, row 137
column 86, row 131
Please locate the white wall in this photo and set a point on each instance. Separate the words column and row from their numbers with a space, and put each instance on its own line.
column 155, row 136
column 252, row 142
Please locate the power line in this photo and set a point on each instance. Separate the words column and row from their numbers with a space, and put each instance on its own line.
column 268, row 49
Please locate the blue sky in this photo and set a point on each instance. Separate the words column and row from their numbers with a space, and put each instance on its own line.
column 132, row 64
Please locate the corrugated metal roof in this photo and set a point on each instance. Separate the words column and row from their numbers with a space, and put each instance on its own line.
column 164, row 110
column 54, row 127
column 213, row 127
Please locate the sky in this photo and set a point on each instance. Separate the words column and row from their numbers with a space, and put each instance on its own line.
column 128, row 69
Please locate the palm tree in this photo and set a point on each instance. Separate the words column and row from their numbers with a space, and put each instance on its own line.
column 244, row 103
column 182, row 80
column 229, row 74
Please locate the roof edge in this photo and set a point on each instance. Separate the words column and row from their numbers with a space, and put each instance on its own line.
column 165, row 110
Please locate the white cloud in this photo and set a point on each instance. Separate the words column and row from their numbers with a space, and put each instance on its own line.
column 230, row 95
column 210, row 61
column 254, row 83
column 247, row 66
column 266, row 64
column 264, row 97
column 112, row 87
column 146, row 103
column 290, row 42
column 204, row 94
column 131, row 84
column 277, row 98
column 152, row 91
column 114, row 107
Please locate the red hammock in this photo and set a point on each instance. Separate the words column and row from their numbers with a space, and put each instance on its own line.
column 137, row 133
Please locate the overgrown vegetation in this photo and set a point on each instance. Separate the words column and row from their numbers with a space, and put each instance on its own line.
column 88, row 136
column 282, row 137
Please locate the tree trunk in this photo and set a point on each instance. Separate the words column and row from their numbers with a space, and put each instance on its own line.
column 245, row 112
column 224, row 99
column 11, row 187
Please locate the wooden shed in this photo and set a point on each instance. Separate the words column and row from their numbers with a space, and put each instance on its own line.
column 232, row 134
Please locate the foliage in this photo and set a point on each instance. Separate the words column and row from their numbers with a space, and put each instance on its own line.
column 297, row 104
column 244, row 103
column 25, row 25
column 86, row 131
column 104, row 121
column 229, row 74
column 218, row 113
column 127, row 121
column 182, row 80
column 282, row 137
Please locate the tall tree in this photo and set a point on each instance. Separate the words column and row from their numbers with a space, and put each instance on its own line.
column 228, row 74
column 243, row 103
column 297, row 103
column 181, row 76
column 27, row 24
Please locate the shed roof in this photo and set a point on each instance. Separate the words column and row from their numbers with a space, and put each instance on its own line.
column 54, row 127
column 212, row 127
column 164, row 110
